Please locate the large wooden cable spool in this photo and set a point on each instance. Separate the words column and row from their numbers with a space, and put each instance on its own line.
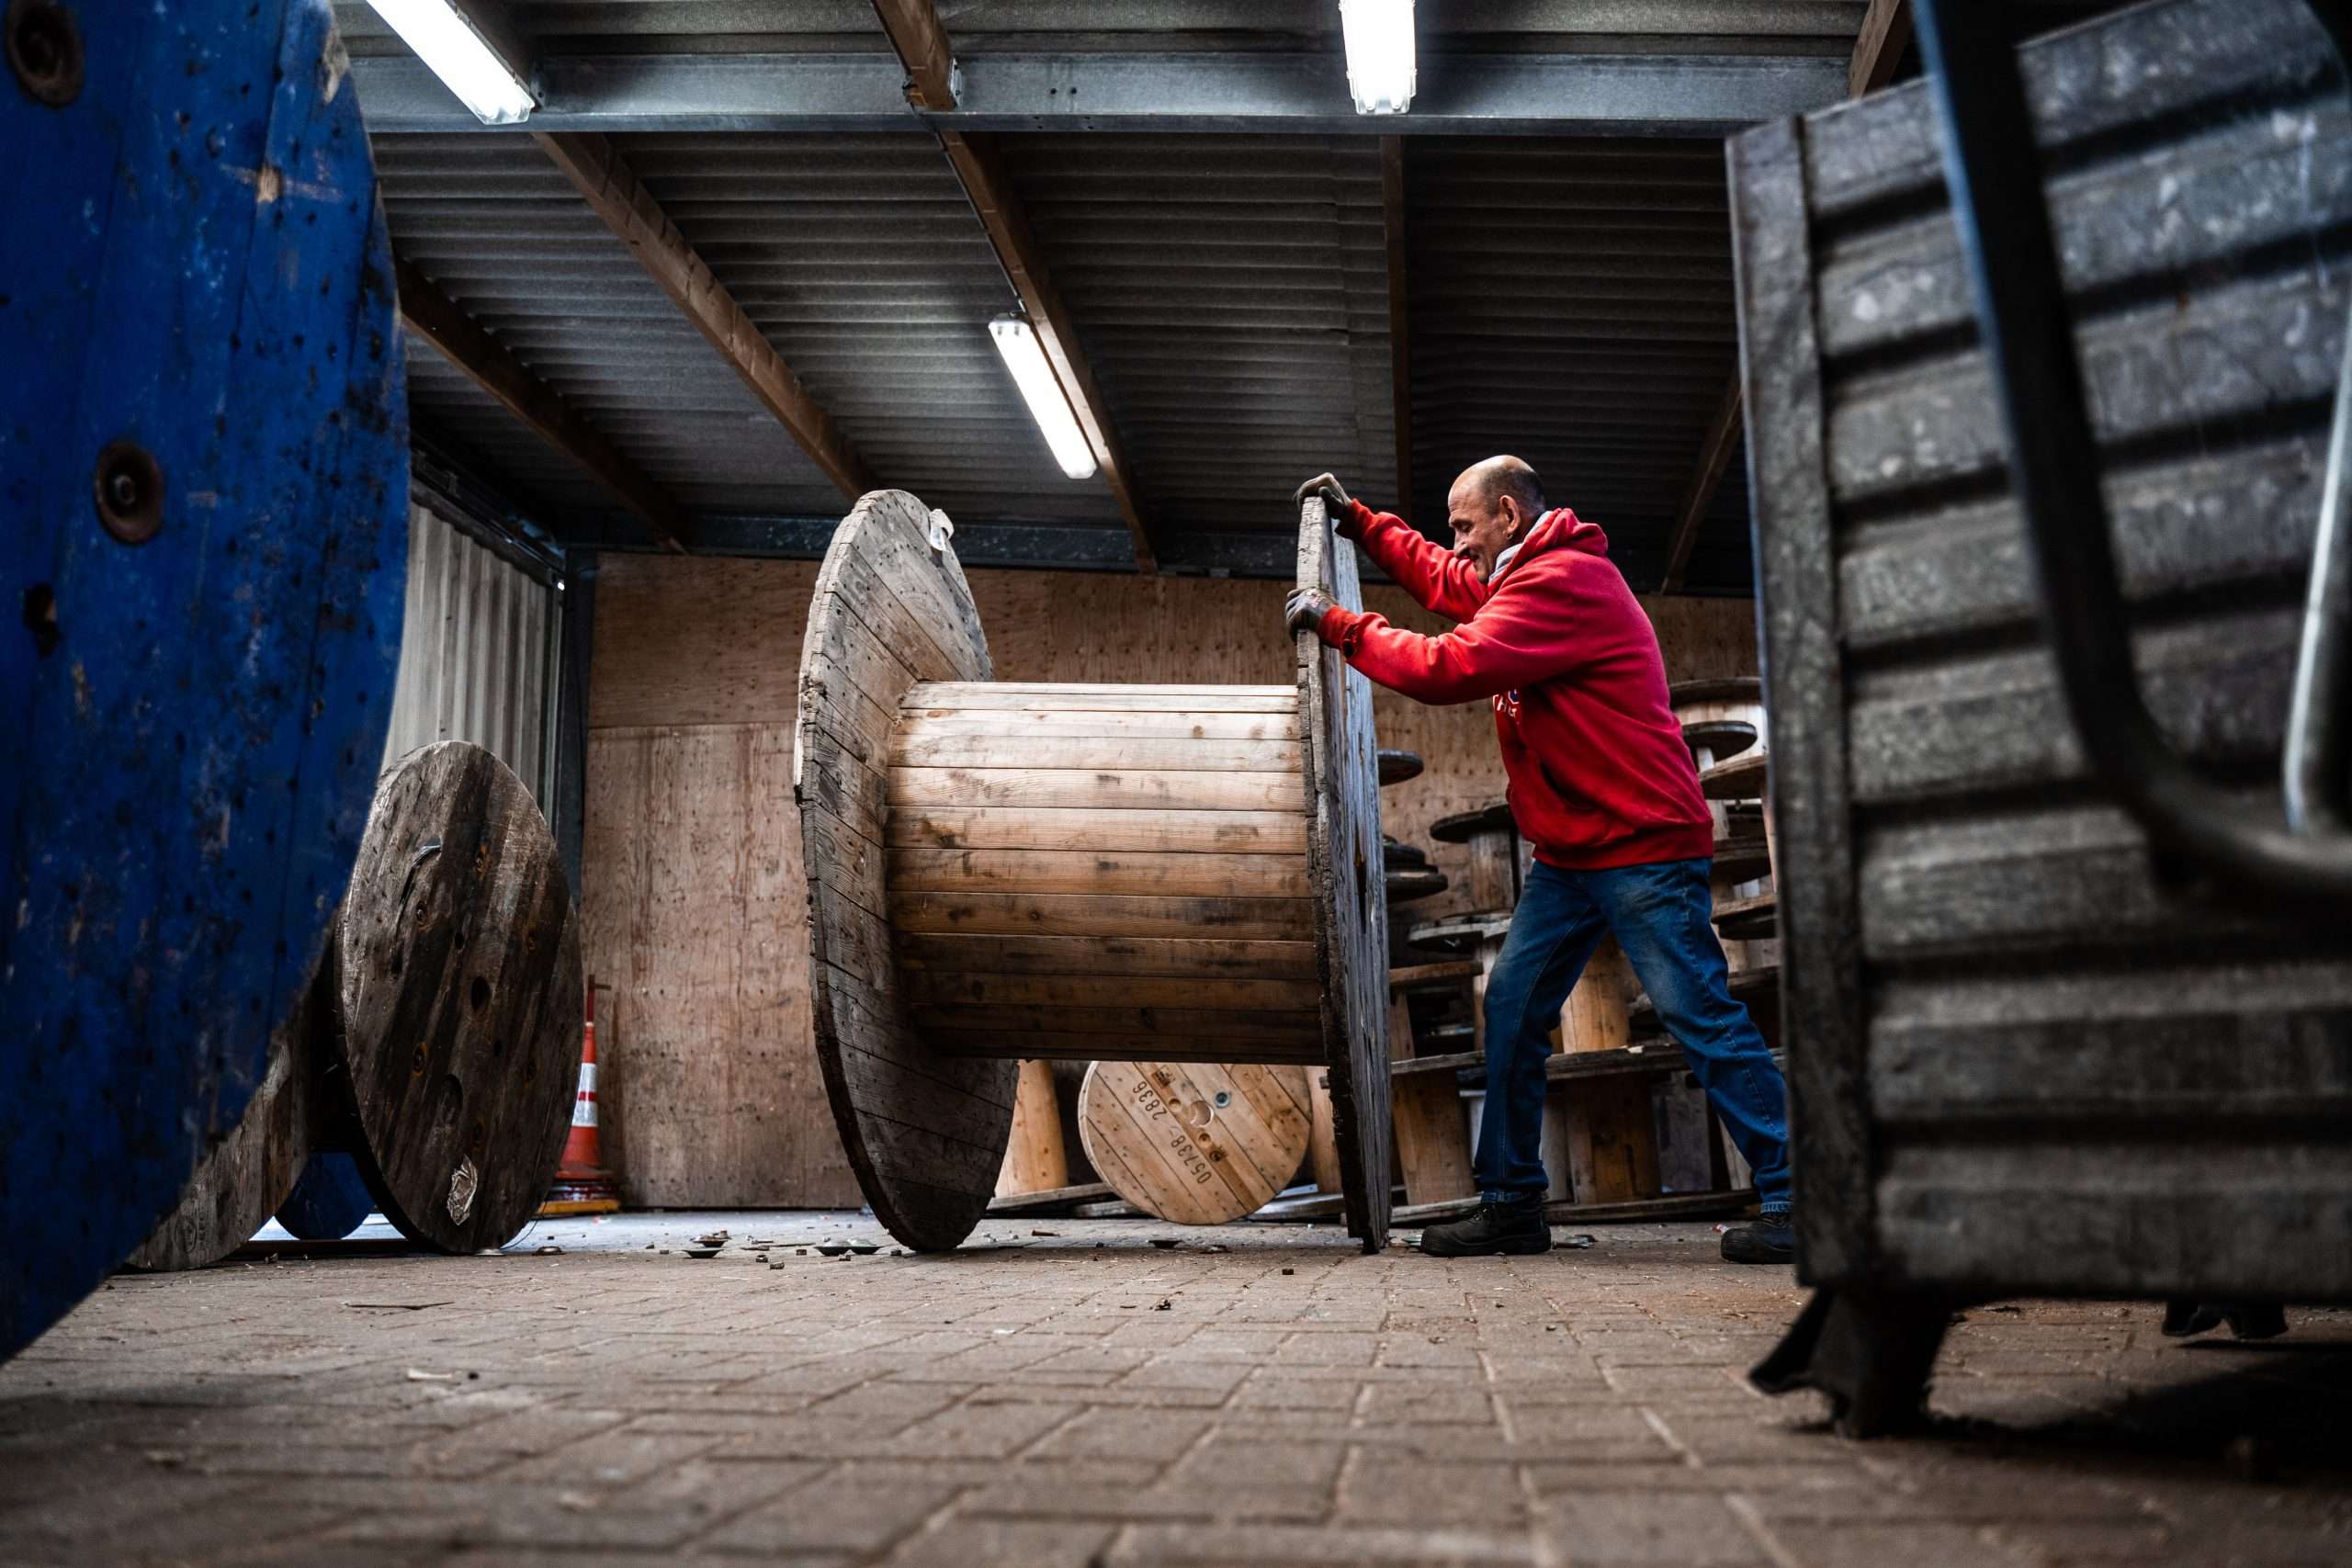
column 1000, row 870
column 203, row 553
column 439, row 1043
column 1198, row 1144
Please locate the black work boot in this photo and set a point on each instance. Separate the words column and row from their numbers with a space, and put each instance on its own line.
column 1772, row 1239
column 1514, row 1226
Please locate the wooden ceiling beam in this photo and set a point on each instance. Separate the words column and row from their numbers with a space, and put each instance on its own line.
column 1878, row 48
column 1400, row 357
column 980, row 168
column 487, row 362
column 597, row 169
column 921, row 42
column 1885, row 34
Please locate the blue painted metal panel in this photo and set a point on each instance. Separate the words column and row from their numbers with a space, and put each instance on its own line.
column 329, row 1199
column 192, row 260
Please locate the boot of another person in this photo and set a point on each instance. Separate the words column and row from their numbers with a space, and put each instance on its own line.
column 1512, row 1227
column 1769, row 1239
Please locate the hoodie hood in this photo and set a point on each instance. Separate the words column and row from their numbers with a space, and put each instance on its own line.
column 1558, row 529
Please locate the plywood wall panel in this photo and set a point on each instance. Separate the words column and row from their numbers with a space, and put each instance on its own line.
column 694, row 901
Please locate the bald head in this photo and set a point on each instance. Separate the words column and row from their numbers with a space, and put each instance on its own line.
column 1492, row 504
column 1501, row 475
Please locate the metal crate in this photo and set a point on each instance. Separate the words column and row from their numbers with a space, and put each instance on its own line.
column 2030, row 1053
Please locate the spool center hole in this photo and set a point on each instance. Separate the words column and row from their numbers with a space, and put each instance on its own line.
column 479, row 993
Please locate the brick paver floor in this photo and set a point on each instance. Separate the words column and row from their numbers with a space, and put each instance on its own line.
column 1250, row 1395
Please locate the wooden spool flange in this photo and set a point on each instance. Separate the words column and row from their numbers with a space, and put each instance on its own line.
column 1719, row 718
column 438, row 1046
column 1491, row 877
column 1199, row 1144
column 330, row 1199
column 1396, row 767
column 1106, row 872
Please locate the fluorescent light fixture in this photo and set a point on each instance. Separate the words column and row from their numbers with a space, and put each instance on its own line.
column 1017, row 345
column 1379, row 36
column 452, row 50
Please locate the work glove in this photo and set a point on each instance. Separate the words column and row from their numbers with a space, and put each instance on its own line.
column 1304, row 610
column 1334, row 496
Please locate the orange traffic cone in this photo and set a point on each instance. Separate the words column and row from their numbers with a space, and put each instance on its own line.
column 581, row 1187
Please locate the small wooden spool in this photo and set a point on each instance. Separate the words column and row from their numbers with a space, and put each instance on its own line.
column 1116, row 874
column 439, row 1046
column 1199, row 1144
column 1398, row 767
column 1719, row 718
column 1491, row 878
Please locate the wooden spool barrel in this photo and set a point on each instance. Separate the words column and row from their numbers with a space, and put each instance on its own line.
column 206, row 539
column 440, row 1046
column 1491, row 877
column 1127, row 873
column 1196, row 1144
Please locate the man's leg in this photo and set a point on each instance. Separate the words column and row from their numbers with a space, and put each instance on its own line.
column 1553, row 932
column 1662, row 916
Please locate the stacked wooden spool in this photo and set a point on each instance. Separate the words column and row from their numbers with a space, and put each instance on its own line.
column 1600, row 1142
column 999, row 871
column 437, row 1045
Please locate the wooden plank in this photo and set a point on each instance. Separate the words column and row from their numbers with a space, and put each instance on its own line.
column 1086, row 871
column 1067, row 723
column 1115, row 832
column 1432, row 1139
column 1885, row 34
column 1192, row 1142
column 1649, row 1211
column 1079, row 914
column 1096, row 789
column 1052, row 1203
column 1072, row 698
column 1612, row 1141
column 461, row 998
column 1013, row 1017
column 979, row 167
column 487, row 362
column 1097, row 955
column 1342, row 783
column 616, row 196
column 1322, row 1143
column 917, row 745
column 943, row 988
column 922, row 43
column 989, row 1045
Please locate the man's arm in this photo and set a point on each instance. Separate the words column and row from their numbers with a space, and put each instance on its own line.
column 1439, row 580
column 1520, row 636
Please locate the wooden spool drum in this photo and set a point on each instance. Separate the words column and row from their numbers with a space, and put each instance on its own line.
column 204, row 607
column 1492, row 865
column 439, row 1046
column 1122, row 874
column 1198, row 1144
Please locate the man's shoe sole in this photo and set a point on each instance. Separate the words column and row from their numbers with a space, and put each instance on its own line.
column 1748, row 1252
column 1517, row 1246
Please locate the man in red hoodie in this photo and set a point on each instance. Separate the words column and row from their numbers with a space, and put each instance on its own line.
column 1603, row 787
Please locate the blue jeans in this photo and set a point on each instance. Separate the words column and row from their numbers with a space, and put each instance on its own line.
column 1660, row 916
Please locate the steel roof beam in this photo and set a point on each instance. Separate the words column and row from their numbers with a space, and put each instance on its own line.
column 486, row 362
column 1460, row 93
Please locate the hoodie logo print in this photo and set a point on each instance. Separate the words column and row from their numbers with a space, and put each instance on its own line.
column 1506, row 704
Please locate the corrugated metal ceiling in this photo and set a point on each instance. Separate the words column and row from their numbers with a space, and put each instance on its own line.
column 1569, row 299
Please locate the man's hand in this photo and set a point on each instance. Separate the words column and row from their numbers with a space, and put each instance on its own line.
column 1304, row 611
column 1334, row 496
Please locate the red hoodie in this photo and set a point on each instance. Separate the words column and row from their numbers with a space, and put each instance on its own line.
column 1600, row 775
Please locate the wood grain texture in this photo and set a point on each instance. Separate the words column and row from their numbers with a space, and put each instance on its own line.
column 1351, row 907
column 693, row 852
column 1035, row 1160
column 1194, row 1143
column 461, row 996
column 925, row 1134
column 247, row 1175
